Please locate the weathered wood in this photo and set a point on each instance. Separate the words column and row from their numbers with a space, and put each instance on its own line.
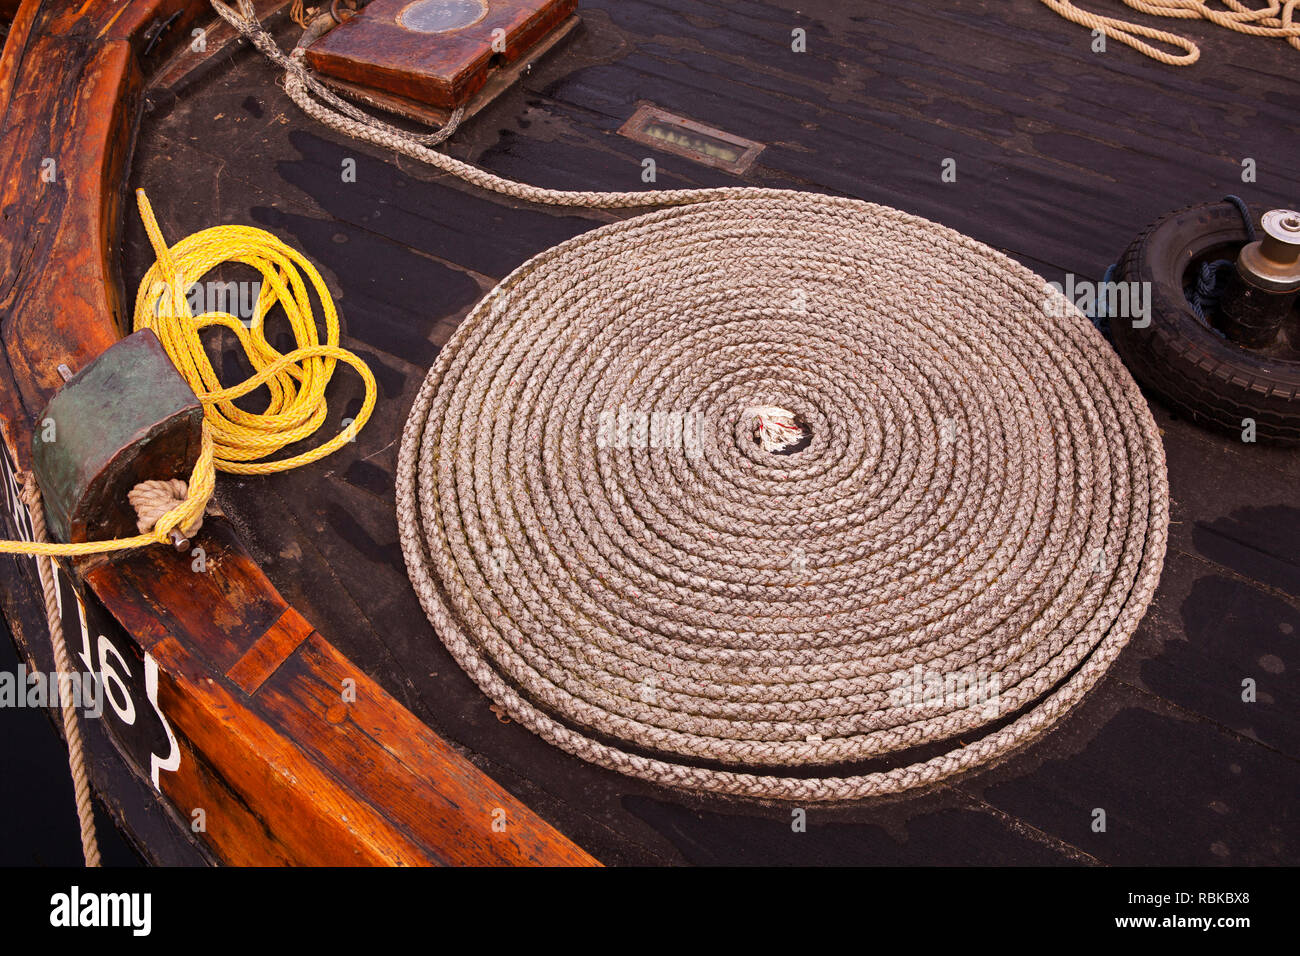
column 234, row 622
column 499, row 79
column 125, row 418
column 317, row 820
column 335, row 710
column 269, row 651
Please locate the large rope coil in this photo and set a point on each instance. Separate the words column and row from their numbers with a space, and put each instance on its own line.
column 602, row 541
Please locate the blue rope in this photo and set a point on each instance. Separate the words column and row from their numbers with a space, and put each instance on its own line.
column 1100, row 319
column 1212, row 280
column 1210, row 284
column 1245, row 216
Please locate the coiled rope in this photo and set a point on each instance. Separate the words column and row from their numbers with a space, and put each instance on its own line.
column 603, row 544
column 599, row 527
column 234, row 440
column 296, row 379
column 1275, row 19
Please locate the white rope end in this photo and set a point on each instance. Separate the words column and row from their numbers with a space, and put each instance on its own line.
column 153, row 499
column 775, row 428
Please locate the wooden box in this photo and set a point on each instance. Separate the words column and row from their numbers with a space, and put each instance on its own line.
column 435, row 52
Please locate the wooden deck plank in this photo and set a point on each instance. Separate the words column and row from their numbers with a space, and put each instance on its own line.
column 1206, row 634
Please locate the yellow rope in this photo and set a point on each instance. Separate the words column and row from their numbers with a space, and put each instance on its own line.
column 202, row 481
column 234, row 439
column 295, row 379
column 1275, row 19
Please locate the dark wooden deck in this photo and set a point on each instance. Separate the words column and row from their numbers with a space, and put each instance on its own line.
column 1062, row 155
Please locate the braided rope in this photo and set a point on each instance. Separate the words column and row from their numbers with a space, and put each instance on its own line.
column 296, row 379
column 63, row 665
column 604, row 546
column 1275, row 19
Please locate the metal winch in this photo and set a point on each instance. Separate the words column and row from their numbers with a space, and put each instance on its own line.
column 1263, row 287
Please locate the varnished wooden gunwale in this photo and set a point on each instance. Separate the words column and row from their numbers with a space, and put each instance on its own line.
column 282, row 775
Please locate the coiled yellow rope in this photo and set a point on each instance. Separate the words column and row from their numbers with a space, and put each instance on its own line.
column 295, row 379
column 234, row 440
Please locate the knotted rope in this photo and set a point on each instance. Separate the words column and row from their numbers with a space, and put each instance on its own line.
column 183, row 513
column 1275, row 19
column 599, row 538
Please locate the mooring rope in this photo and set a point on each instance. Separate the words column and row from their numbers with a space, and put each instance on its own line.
column 599, row 528
column 1276, row 20
column 63, row 665
column 184, row 515
column 601, row 541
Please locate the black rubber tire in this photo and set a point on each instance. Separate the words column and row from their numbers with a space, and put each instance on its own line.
column 1191, row 367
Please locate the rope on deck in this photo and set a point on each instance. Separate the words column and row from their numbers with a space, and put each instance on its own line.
column 599, row 537
column 1276, row 20
column 234, row 440
column 606, row 524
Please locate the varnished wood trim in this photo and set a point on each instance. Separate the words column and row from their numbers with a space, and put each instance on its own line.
column 331, row 707
column 270, row 651
column 307, row 810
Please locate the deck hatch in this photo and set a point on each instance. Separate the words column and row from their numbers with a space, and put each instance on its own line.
column 675, row 134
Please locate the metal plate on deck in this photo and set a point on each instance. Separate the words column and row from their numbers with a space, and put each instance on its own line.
column 441, row 16
column 675, row 134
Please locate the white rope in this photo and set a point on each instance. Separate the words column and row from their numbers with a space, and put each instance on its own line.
column 1275, row 19
column 605, row 548
column 152, row 499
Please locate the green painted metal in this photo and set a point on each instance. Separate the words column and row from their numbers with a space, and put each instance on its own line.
column 126, row 417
